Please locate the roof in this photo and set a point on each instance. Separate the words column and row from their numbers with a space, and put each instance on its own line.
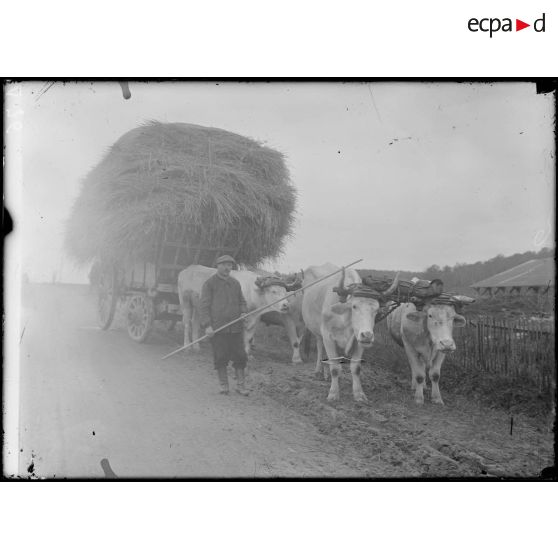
column 534, row 273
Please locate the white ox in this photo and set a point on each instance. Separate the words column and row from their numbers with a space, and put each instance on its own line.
column 342, row 321
column 190, row 282
column 291, row 320
column 427, row 336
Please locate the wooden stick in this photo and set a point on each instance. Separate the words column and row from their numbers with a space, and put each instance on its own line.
column 260, row 309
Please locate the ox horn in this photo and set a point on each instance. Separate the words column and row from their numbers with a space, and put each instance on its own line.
column 341, row 291
column 342, row 280
column 294, row 285
column 393, row 286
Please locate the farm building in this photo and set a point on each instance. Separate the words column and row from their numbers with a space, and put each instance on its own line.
column 532, row 277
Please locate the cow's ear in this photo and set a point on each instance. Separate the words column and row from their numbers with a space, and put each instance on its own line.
column 459, row 321
column 340, row 308
column 416, row 316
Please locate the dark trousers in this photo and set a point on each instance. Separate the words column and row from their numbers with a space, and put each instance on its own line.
column 229, row 347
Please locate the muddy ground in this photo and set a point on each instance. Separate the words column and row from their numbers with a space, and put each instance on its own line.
column 88, row 395
column 391, row 435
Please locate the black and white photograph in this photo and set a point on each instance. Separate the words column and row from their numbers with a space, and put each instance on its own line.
column 235, row 279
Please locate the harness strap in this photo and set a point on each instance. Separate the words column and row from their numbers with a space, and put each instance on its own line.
column 384, row 315
column 342, row 360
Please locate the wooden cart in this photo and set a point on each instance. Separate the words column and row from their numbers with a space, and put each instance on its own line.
column 147, row 287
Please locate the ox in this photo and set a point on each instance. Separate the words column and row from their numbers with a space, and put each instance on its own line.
column 342, row 322
column 258, row 291
column 292, row 319
column 426, row 336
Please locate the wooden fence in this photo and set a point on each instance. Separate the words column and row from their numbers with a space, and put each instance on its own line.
column 518, row 350
column 521, row 350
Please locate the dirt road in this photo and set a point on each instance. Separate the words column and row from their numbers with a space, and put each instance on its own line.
column 89, row 395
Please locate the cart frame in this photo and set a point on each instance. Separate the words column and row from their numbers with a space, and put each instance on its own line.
column 147, row 287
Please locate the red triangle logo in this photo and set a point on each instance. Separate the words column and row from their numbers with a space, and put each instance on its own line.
column 519, row 25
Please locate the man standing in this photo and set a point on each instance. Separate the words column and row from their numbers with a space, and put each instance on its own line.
column 221, row 302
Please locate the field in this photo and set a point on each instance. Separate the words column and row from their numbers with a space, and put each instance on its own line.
column 88, row 395
column 390, row 435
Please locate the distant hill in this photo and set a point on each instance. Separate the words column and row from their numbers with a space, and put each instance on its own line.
column 462, row 275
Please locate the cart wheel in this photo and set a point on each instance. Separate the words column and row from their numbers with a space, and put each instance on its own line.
column 139, row 316
column 107, row 297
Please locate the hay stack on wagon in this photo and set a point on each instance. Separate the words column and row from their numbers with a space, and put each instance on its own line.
column 222, row 188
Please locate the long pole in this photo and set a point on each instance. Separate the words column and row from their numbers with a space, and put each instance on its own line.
column 261, row 308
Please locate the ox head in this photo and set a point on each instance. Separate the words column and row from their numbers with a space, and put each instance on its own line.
column 439, row 321
column 271, row 290
column 293, row 281
column 361, row 304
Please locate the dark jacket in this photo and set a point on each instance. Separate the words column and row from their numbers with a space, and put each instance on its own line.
column 221, row 302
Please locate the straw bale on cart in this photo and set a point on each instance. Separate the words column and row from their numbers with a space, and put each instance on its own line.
column 221, row 188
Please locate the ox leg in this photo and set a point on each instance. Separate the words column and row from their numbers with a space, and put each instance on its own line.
column 249, row 331
column 434, row 374
column 293, row 339
column 195, row 331
column 334, row 369
column 418, row 371
column 325, row 368
column 300, row 338
column 186, row 321
column 320, row 368
column 358, row 392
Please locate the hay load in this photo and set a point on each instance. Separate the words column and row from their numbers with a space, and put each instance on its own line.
column 223, row 189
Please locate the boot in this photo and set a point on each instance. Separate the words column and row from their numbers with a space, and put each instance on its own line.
column 223, row 380
column 240, row 387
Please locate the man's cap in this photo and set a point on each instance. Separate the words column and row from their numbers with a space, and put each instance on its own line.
column 223, row 259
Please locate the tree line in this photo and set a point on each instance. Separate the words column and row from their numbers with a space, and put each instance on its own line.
column 462, row 275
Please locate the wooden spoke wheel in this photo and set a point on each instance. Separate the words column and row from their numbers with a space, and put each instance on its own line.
column 107, row 297
column 139, row 317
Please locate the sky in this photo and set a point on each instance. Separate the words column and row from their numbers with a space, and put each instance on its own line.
column 401, row 174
